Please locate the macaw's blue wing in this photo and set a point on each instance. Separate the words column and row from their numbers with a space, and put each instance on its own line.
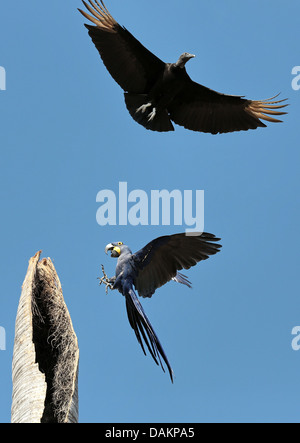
column 144, row 330
column 160, row 260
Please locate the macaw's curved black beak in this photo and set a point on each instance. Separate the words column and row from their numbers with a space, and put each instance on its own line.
column 115, row 250
column 109, row 247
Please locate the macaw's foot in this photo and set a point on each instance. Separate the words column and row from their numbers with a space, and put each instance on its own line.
column 105, row 280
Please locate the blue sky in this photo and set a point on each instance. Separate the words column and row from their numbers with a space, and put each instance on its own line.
column 66, row 135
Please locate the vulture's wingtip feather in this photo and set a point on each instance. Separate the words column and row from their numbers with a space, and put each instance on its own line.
column 264, row 109
column 89, row 17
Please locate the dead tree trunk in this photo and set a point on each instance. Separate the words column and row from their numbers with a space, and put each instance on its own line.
column 46, row 354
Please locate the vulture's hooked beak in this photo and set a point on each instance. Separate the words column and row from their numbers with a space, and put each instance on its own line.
column 187, row 56
column 183, row 59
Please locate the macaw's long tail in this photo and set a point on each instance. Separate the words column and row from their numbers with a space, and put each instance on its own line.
column 143, row 329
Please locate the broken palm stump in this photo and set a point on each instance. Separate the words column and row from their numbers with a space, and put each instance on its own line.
column 46, row 353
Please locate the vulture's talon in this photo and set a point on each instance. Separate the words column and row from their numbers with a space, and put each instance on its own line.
column 143, row 108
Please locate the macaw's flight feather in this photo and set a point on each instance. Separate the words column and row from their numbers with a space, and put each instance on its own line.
column 161, row 259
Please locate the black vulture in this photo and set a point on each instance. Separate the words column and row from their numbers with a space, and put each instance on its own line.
column 150, row 268
column 157, row 93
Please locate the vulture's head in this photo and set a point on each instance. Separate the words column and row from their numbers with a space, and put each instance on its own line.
column 185, row 57
column 116, row 248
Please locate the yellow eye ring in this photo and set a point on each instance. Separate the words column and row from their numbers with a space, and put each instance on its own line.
column 120, row 243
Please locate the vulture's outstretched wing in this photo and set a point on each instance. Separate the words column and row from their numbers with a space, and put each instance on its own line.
column 131, row 65
column 201, row 109
column 158, row 262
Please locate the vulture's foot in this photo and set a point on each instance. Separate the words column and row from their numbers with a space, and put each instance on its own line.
column 143, row 108
column 105, row 280
column 152, row 115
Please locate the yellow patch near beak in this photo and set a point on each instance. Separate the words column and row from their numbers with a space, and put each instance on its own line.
column 118, row 250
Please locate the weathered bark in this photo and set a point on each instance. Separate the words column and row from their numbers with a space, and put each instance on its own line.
column 46, row 354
